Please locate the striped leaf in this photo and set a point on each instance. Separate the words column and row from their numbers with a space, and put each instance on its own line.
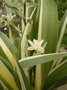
column 7, row 50
column 6, row 77
column 10, row 45
column 40, row 59
column 48, row 31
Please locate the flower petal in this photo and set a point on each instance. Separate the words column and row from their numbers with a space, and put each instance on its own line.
column 41, row 42
column 45, row 45
column 36, row 43
column 30, row 48
column 30, row 42
column 42, row 50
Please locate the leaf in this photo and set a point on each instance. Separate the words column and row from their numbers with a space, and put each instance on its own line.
column 6, row 77
column 14, row 7
column 62, row 30
column 48, row 25
column 9, row 49
column 18, row 46
column 12, row 71
column 8, row 10
column 24, row 43
column 60, row 74
column 10, row 34
column 2, row 54
column 8, row 53
column 40, row 59
column 7, row 64
column 48, row 31
column 10, row 45
column 34, row 29
column 23, row 79
column 14, row 63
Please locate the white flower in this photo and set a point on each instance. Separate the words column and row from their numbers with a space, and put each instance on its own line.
column 36, row 45
column 9, row 17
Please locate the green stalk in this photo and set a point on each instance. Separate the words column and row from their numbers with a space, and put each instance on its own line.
column 24, row 43
column 10, row 34
column 48, row 31
column 38, row 76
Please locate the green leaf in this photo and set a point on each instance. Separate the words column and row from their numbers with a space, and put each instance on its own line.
column 24, row 42
column 12, row 71
column 14, row 6
column 8, row 10
column 8, row 53
column 2, row 54
column 6, row 77
column 10, row 45
column 40, row 59
column 10, row 34
column 23, row 79
column 7, row 50
column 18, row 45
column 34, row 29
column 62, row 30
column 48, row 25
column 58, row 77
column 48, row 31
column 7, row 64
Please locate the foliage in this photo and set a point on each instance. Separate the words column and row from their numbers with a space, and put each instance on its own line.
column 62, row 6
column 21, row 69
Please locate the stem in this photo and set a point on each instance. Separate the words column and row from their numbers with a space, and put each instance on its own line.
column 38, row 77
column 10, row 34
column 38, row 74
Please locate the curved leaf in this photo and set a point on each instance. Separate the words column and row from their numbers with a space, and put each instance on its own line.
column 6, row 77
column 40, row 59
column 10, row 45
column 58, row 77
